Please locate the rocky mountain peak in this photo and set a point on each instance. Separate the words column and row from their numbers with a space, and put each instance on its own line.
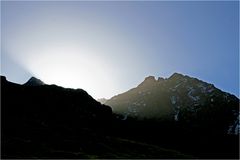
column 179, row 98
column 148, row 81
column 150, row 78
column 33, row 81
column 176, row 76
column 160, row 79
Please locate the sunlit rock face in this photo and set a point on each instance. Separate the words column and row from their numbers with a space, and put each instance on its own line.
column 148, row 81
column 178, row 98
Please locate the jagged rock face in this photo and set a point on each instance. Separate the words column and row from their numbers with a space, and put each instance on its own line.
column 178, row 98
column 34, row 82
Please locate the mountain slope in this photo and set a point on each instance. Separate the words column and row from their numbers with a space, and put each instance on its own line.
column 48, row 101
column 34, row 82
column 48, row 121
column 179, row 98
column 36, row 119
column 102, row 100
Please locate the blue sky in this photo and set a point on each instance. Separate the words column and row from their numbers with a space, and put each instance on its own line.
column 109, row 47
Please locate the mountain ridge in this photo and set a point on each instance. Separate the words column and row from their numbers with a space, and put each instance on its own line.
column 179, row 98
column 49, row 121
column 33, row 81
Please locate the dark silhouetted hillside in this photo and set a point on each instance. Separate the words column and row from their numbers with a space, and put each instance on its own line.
column 49, row 121
column 36, row 118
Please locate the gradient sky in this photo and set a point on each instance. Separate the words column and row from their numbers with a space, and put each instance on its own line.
column 109, row 47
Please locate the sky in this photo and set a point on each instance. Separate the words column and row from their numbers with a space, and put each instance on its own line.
column 106, row 48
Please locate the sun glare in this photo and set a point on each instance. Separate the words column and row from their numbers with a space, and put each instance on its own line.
column 73, row 68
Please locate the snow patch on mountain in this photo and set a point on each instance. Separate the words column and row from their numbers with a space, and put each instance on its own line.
column 190, row 91
column 235, row 128
column 173, row 100
column 210, row 90
column 125, row 117
column 176, row 115
column 176, row 108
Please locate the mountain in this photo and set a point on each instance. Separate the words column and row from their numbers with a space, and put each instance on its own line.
column 102, row 100
column 49, row 121
column 37, row 119
column 34, row 82
column 180, row 98
column 48, row 105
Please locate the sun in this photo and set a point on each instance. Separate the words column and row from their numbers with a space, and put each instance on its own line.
column 73, row 68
